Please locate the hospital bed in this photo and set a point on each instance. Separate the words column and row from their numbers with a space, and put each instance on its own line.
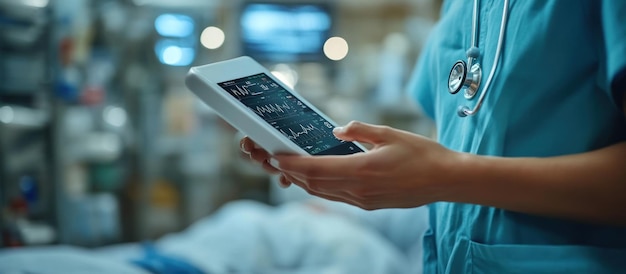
column 311, row 236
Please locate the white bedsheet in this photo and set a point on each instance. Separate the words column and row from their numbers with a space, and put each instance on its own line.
column 250, row 237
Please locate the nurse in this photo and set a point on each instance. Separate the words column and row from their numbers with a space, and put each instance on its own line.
column 535, row 180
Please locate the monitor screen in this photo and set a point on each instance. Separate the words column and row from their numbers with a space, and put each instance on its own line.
column 287, row 114
column 285, row 31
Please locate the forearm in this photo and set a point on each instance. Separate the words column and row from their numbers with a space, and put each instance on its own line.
column 589, row 187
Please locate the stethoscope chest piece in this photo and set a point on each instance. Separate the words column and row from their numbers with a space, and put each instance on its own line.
column 460, row 77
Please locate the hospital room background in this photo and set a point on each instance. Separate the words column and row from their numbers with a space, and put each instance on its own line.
column 106, row 158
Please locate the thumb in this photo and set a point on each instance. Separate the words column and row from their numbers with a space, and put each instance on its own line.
column 362, row 132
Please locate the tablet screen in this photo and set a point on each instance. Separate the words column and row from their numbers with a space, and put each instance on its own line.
column 287, row 114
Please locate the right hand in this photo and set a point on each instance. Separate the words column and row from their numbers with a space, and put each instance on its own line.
column 389, row 175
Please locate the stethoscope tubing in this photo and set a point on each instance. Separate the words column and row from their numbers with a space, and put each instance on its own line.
column 464, row 111
column 470, row 58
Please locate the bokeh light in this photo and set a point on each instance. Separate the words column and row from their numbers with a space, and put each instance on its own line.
column 336, row 48
column 212, row 37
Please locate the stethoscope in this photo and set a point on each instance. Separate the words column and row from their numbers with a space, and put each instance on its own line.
column 461, row 78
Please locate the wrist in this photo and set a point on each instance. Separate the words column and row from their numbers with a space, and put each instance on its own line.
column 460, row 182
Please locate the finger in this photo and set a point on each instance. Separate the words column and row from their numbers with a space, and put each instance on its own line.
column 314, row 190
column 293, row 179
column 246, row 145
column 269, row 168
column 324, row 167
column 283, row 182
column 362, row 132
column 259, row 155
column 331, row 186
column 340, row 196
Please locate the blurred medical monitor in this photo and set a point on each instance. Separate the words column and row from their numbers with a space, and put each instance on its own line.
column 285, row 31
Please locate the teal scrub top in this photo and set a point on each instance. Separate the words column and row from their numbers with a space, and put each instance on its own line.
column 555, row 92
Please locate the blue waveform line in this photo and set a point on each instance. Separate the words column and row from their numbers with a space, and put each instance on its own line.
column 293, row 135
column 243, row 91
column 275, row 108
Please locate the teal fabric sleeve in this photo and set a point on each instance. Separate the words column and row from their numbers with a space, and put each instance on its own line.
column 614, row 28
column 419, row 86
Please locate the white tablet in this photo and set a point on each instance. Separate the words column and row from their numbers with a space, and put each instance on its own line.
column 251, row 99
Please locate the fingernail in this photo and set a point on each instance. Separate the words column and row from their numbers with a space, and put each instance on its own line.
column 337, row 129
column 244, row 149
column 273, row 162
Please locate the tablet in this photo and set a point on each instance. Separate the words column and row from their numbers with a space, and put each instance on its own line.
column 247, row 96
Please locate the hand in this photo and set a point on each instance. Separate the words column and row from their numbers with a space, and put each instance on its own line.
column 401, row 170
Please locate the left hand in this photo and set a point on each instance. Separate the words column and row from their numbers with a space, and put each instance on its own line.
column 401, row 170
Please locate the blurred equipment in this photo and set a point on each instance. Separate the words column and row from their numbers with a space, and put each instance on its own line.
column 286, row 31
column 22, row 22
column 26, row 190
column 23, row 25
column 178, row 42
column 102, row 143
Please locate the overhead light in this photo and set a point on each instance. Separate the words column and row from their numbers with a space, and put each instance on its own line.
column 174, row 25
column 336, row 48
column 212, row 37
column 176, row 4
column 36, row 3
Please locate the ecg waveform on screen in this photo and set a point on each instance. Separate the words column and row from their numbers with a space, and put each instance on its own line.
column 272, row 109
column 244, row 91
column 283, row 111
column 294, row 135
